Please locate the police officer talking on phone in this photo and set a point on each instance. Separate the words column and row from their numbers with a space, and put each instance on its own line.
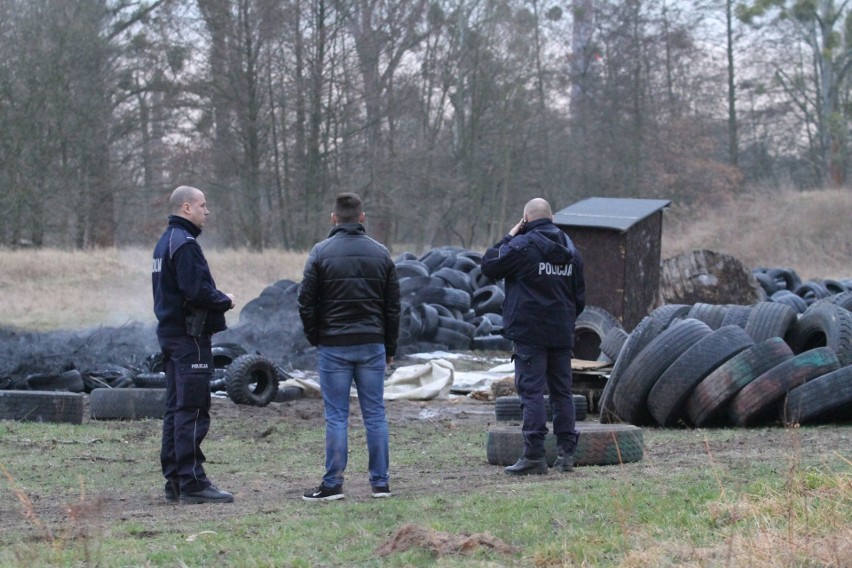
column 189, row 311
column 545, row 292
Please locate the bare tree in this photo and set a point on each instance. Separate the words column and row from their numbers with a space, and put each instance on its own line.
column 822, row 25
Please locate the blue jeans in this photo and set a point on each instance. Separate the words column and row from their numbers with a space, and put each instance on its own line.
column 338, row 367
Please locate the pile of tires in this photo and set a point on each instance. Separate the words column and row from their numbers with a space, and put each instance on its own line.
column 447, row 301
column 270, row 304
column 74, row 380
column 727, row 365
column 784, row 286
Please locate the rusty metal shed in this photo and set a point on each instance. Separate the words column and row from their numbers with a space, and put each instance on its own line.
column 620, row 241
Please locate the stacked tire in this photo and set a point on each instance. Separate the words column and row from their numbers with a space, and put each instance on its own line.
column 508, row 408
column 784, row 286
column 447, row 301
column 725, row 365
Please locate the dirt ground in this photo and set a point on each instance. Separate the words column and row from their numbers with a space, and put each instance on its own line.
column 665, row 450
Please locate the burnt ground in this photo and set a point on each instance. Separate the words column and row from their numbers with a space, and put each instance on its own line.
column 666, row 451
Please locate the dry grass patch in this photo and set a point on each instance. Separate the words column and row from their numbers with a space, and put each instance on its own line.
column 48, row 289
column 808, row 231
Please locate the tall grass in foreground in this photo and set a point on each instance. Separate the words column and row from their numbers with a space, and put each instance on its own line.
column 789, row 509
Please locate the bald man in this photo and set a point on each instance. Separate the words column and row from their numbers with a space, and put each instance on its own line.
column 545, row 292
column 189, row 311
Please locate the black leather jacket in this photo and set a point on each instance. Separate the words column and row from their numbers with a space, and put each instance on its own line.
column 349, row 293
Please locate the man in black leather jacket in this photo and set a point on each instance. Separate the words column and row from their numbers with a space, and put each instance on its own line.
column 545, row 292
column 349, row 306
column 189, row 311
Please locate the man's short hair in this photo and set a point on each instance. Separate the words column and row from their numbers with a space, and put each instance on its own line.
column 182, row 194
column 347, row 208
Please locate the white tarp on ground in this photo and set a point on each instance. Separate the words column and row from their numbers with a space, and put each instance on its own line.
column 432, row 380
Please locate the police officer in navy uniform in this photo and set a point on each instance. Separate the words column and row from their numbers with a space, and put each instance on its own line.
column 545, row 292
column 189, row 311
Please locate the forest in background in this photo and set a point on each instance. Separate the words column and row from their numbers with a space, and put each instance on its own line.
column 445, row 115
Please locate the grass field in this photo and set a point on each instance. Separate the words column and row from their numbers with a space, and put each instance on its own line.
column 90, row 494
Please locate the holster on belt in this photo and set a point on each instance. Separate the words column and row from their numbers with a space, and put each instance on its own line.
column 196, row 318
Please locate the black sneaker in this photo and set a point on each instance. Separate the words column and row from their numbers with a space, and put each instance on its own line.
column 323, row 493
column 211, row 494
column 381, row 491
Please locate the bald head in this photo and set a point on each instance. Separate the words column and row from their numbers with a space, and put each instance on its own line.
column 536, row 209
column 181, row 195
column 189, row 203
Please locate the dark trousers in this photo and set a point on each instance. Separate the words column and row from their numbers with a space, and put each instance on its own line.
column 536, row 369
column 188, row 363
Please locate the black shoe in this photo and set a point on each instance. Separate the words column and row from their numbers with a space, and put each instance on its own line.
column 564, row 462
column 171, row 492
column 381, row 491
column 211, row 494
column 527, row 466
column 323, row 493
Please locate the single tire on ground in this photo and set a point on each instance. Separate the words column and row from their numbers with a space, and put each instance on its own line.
column 599, row 444
column 824, row 399
column 759, row 400
column 252, row 379
column 41, row 406
column 508, row 408
column 286, row 394
column 710, row 396
column 668, row 395
column 631, row 393
column 127, row 404
column 66, row 381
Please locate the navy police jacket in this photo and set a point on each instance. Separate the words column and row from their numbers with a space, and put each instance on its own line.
column 349, row 293
column 181, row 276
column 544, row 285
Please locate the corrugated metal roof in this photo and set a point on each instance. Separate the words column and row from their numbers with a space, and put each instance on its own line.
column 608, row 212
